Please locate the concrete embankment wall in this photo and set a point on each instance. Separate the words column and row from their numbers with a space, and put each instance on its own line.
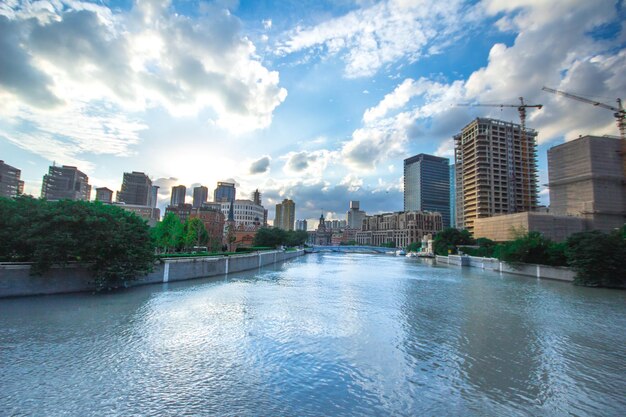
column 15, row 278
column 531, row 270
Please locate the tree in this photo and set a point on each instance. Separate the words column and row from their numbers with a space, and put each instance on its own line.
column 270, row 237
column 448, row 239
column 168, row 233
column 533, row 248
column 194, row 233
column 296, row 237
column 598, row 258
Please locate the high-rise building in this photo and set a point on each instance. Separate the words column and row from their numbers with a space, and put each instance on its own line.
column 496, row 170
column 65, row 182
column 586, row 179
column 178, row 195
column 104, row 195
column 224, row 192
column 355, row 216
column 200, row 196
column 136, row 189
column 10, row 183
column 285, row 215
column 154, row 196
column 301, row 225
column 427, row 185
column 452, row 196
column 256, row 197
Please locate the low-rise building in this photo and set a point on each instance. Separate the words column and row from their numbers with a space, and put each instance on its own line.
column 400, row 228
column 213, row 221
column 183, row 211
column 104, row 195
column 10, row 183
column 149, row 214
column 504, row 227
column 246, row 213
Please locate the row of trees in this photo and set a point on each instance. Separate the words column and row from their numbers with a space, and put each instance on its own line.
column 114, row 242
column 598, row 258
column 272, row 237
column 172, row 235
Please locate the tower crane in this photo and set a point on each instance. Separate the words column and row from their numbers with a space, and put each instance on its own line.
column 620, row 116
column 521, row 108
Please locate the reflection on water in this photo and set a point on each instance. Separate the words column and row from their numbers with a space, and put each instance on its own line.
column 320, row 335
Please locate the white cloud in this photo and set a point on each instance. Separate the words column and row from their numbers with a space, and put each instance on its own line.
column 310, row 164
column 370, row 37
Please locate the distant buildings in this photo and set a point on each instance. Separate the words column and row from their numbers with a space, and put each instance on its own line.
column 400, row 228
column 246, row 213
column 586, row 179
column 65, row 182
column 104, row 195
column 136, row 189
column 355, row 216
column 301, row 225
column 213, row 221
column 225, row 191
column 256, row 197
column 10, row 183
column 285, row 215
column 183, row 211
column 322, row 235
column 178, row 195
column 150, row 214
column 427, row 185
column 495, row 170
column 200, row 196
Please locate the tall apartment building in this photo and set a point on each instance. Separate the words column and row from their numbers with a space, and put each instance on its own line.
column 10, row 183
column 200, row 196
column 586, row 179
column 178, row 195
column 285, row 215
column 104, row 195
column 496, row 170
column 225, row 191
column 400, row 228
column 355, row 216
column 65, row 182
column 136, row 189
column 301, row 225
column 427, row 185
column 452, row 196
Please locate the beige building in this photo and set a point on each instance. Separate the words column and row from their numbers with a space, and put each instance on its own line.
column 401, row 228
column 496, row 168
column 586, row 179
column 285, row 215
column 503, row 228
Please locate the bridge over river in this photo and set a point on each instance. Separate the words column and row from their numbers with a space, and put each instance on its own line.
column 349, row 249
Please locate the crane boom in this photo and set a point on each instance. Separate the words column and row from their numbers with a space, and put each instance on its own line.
column 583, row 99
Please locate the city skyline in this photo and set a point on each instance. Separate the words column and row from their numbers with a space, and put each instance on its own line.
column 332, row 97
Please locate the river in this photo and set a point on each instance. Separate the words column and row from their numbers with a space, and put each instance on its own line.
column 324, row 334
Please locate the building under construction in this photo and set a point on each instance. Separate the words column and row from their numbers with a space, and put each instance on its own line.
column 496, row 170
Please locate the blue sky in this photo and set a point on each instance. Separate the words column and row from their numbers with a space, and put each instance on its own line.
column 310, row 100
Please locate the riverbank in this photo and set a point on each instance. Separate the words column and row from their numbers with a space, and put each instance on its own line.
column 558, row 273
column 16, row 281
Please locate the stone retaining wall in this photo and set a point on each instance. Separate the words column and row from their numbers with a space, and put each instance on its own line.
column 15, row 278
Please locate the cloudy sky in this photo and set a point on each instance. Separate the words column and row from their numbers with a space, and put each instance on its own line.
column 318, row 101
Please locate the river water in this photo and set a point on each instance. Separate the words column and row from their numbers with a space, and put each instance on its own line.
column 324, row 334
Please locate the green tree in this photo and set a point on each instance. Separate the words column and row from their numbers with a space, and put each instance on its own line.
column 194, row 233
column 448, row 239
column 296, row 237
column 270, row 237
column 598, row 258
column 533, row 248
column 168, row 233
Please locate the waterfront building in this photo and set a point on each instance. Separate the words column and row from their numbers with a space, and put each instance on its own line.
column 246, row 213
column 183, row 211
column 355, row 216
column 200, row 196
column 65, row 183
column 301, row 225
column 504, row 227
column 136, row 189
column 452, row 196
column 178, row 195
column 427, row 185
column 496, row 170
column 10, row 183
column 150, row 214
column 104, row 195
column 322, row 235
column 586, row 179
column 285, row 215
column 399, row 228
column 213, row 221
column 224, row 192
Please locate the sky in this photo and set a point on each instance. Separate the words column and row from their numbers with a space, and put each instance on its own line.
column 317, row 101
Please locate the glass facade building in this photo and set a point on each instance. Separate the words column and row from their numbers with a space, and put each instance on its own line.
column 452, row 196
column 427, row 185
column 224, row 192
